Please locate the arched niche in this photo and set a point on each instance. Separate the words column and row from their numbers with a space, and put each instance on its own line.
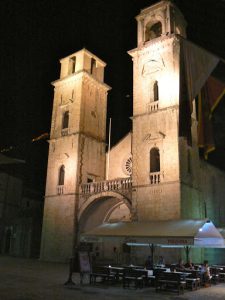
column 153, row 30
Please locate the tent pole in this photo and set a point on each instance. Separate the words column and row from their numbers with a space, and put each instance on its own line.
column 187, row 250
column 152, row 248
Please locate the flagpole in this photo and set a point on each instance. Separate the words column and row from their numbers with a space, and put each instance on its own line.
column 108, row 154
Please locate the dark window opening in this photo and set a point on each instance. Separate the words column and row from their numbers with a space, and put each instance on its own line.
column 89, row 180
column 72, row 65
column 156, row 91
column 65, row 122
column 153, row 31
column 154, row 160
column 93, row 65
column 61, row 175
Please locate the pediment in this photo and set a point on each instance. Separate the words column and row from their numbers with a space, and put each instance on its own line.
column 154, row 136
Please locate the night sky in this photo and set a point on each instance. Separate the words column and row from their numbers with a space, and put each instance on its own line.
column 35, row 34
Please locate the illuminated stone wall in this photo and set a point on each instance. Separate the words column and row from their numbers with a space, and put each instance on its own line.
column 156, row 116
column 180, row 186
column 119, row 161
column 77, row 144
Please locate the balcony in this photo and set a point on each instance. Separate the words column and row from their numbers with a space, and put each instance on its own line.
column 65, row 131
column 107, row 185
column 155, row 178
column 153, row 106
column 60, row 189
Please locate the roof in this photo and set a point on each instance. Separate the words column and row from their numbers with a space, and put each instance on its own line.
column 101, row 62
column 5, row 160
column 175, row 232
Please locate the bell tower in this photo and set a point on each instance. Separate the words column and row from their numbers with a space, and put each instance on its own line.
column 76, row 148
column 156, row 146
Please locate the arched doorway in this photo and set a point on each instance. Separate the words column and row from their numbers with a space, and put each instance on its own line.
column 8, row 234
column 102, row 209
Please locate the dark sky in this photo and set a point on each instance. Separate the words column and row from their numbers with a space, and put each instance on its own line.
column 35, row 34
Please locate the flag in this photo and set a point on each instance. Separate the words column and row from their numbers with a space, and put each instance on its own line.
column 209, row 97
column 196, row 67
column 41, row 137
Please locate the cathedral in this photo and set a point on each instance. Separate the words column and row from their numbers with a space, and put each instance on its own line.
column 155, row 172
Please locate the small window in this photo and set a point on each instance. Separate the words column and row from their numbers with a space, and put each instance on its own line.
column 72, row 65
column 93, row 65
column 156, row 91
column 61, row 175
column 154, row 160
column 65, row 121
column 153, row 31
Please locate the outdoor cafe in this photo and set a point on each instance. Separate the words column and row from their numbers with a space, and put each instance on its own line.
column 186, row 234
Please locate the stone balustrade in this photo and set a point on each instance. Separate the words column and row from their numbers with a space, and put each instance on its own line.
column 107, row 185
column 64, row 131
column 60, row 189
column 153, row 106
column 155, row 178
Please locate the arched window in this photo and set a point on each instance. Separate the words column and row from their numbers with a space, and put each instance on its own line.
column 65, row 121
column 72, row 65
column 156, row 91
column 93, row 65
column 154, row 160
column 153, row 31
column 61, row 175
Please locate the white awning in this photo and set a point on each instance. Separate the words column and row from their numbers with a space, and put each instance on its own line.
column 199, row 233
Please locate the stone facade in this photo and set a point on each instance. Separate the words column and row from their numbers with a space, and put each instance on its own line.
column 20, row 212
column 153, row 173
column 76, row 150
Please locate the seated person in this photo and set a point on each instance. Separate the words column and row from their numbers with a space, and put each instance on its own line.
column 180, row 265
column 189, row 265
column 149, row 263
column 205, row 273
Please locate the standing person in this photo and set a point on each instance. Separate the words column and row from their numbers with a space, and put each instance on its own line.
column 161, row 261
column 205, row 272
column 149, row 263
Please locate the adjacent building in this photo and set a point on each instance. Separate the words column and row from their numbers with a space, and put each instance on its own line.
column 20, row 212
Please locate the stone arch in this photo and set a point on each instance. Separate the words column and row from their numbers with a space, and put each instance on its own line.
column 155, row 88
column 99, row 208
column 153, row 30
column 154, row 160
column 97, row 197
column 65, row 120
column 150, row 22
column 61, row 175
column 112, row 210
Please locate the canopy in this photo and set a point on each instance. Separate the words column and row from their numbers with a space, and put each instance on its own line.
column 201, row 233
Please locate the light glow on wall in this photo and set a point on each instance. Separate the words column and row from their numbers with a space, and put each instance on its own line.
column 169, row 88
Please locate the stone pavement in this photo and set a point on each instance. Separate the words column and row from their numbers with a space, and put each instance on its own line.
column 27, row 279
